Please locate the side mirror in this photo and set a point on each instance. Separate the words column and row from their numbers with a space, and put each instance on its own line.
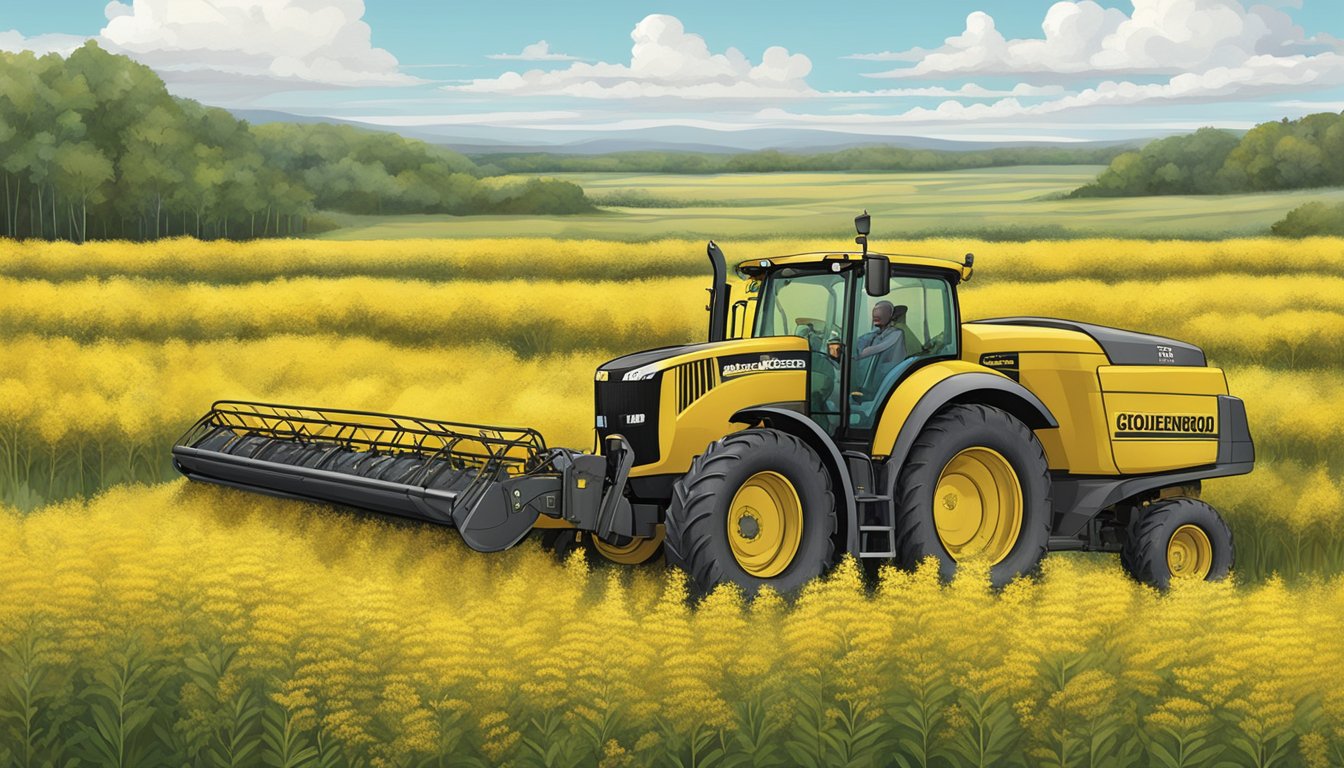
column 863, row 223
column 877, row 275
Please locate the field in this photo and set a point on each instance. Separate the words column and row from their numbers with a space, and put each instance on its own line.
column 168, row 624
column 1013, row 203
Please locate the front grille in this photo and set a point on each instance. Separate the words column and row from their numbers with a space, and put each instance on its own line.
column 694, row 379
column 618, row 400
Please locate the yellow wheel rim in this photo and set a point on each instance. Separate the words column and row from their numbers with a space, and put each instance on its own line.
column 765, row 524
column 1189, row 553
column 977, row 505
column 635, row 552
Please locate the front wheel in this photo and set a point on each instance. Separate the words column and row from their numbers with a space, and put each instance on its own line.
column 1177, row 538
column 975, row 485
column 756, row 508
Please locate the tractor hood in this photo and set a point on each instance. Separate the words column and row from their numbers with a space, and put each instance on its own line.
column 732, row 357
column 1120, row 347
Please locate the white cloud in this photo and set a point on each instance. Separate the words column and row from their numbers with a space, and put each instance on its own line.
column 14, row 42
column 967, row 91
column 1080, row 37
column 200, row 43
column 538, row 51
column 909, row 54
column 665, row 61
column 1259, row 76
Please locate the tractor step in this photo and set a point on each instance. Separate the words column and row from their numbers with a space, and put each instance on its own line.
column 877, row 537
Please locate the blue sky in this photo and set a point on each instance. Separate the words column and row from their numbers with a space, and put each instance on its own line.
column 989, row 69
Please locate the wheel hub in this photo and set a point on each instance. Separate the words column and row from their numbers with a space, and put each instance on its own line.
column 978, row 507
column 1190, row 553
column 749, row 525
column 765, row 524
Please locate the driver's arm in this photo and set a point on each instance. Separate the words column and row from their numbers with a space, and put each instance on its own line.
column 881, row 346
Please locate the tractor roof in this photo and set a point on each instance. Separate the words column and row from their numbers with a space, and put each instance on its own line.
column 757, row 267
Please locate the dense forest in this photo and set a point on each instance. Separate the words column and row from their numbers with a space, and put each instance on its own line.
column 1288, row 154
column 874, row 158
column 94, row 147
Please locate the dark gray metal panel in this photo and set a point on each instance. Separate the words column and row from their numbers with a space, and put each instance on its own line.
column 809, row 432
column 1234, row 432
column 1078, row 499
column 1121, row 347
column 652, row 488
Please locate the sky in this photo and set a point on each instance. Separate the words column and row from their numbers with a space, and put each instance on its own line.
column 986, row 70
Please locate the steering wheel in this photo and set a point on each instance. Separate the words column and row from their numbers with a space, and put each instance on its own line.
column 822, row 330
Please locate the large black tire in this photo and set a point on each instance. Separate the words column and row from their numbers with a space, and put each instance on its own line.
column 946, row 435
column 697, row 521
column 1144, row 552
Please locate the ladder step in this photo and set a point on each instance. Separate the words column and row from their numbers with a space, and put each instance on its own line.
column 868, row 498
column 882, row 555
column 877, row 528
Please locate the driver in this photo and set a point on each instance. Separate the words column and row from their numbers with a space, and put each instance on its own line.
column 887, row 339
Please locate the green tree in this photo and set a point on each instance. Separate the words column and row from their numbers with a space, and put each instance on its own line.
column 82, row 170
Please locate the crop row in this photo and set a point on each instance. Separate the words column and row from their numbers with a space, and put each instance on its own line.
column 76, row 418
column 140, row 391
column 189, row 625
column 187, row 260
column 1278, row 321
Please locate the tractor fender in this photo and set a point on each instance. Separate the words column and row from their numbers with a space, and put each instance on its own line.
column 959, row 386
column 805, row 429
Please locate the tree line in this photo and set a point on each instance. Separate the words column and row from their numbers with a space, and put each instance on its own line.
column 1286, row 154
column 871, row 158
column 92, row 146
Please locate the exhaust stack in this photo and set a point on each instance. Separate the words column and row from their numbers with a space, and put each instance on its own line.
column 719, row 292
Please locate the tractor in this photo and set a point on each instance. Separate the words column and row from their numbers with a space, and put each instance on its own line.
column 841, row 406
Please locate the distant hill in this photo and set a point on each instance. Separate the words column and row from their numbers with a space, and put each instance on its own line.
column 486, row 140
column 859, row 159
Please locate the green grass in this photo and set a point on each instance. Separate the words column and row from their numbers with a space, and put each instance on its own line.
column 996, row 203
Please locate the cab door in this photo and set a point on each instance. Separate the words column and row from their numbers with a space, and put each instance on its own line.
column 924, row 313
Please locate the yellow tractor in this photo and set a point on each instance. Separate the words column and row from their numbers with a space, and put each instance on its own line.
column 841, row 406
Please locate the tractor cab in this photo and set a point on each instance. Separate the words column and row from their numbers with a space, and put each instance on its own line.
column 869, row 320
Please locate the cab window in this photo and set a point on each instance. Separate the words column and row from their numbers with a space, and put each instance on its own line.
column 810, row 303
column 893, row 335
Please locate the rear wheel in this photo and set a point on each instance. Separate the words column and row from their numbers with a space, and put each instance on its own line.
column 755, row 508
column 1177, row 538
column 975, row 485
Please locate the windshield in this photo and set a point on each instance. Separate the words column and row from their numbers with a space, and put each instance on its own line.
column 810, row 303
column 803, row 302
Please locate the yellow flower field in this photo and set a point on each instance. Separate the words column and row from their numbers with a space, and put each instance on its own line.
column 187, row 260
column 177, row 624
column 237, row 620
